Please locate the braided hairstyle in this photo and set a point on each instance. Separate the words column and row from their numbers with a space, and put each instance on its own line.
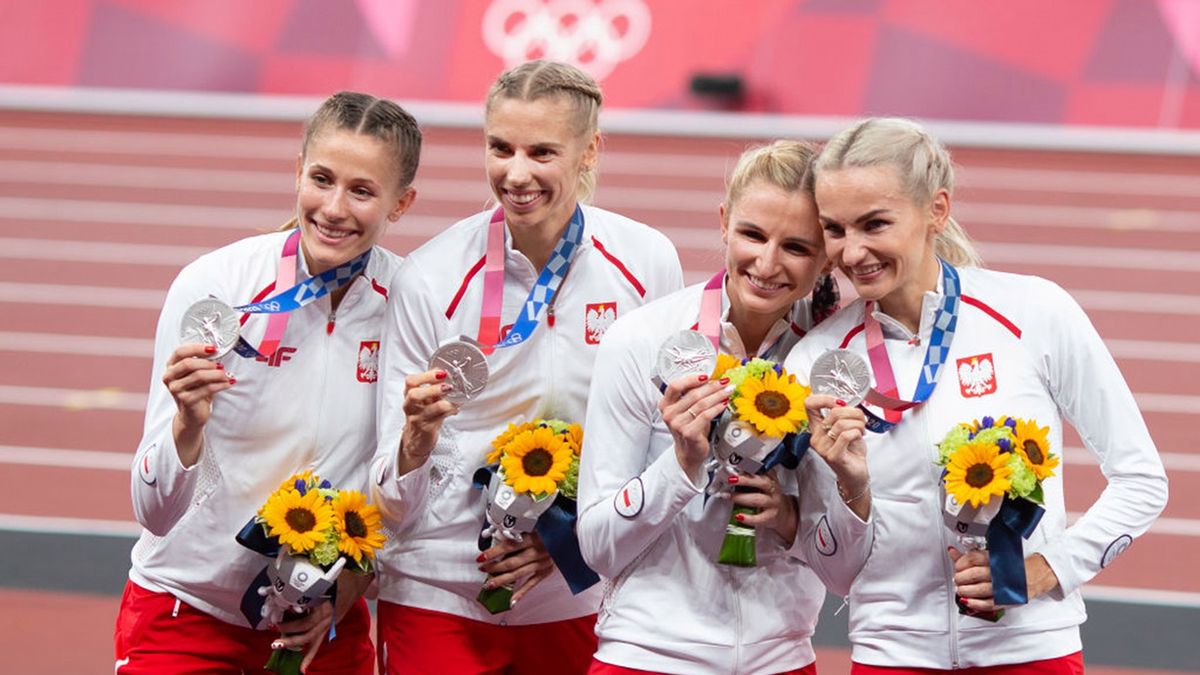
column 536, row 80
column 922, row 162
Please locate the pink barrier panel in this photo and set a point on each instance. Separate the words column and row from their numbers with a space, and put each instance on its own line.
column 1097, row 62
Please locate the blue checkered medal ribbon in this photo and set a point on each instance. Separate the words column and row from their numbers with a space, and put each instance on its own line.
column 301, row 294
column 547, row 283
column 940, row 339
column 310, row 289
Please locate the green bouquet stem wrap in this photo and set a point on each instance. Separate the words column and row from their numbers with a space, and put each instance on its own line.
column 496, row 600
column 285, row 662
column 739, row 545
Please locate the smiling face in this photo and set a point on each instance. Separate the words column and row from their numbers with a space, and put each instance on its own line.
column 535, row 155
column 347, row 193
column 879, row 236
column 774, row 252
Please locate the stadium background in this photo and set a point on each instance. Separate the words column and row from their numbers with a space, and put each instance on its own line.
column 135, row 134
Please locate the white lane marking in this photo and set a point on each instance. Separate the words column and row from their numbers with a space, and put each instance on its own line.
column 73, row 399
column 62, row 457
column 91, row 345
column 70, row 526
column 1142, row 596
column 1044, row 255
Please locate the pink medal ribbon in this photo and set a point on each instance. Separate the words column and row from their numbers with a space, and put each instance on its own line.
column 493, row 285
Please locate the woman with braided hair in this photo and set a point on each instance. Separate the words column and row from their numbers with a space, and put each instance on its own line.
column 534, row 282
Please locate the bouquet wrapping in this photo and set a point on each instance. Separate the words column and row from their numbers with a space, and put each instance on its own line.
column 765, row 425
column 530, row 484
column 313, row 532
column 992, row 474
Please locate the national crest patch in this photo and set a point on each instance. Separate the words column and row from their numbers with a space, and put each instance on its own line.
column 368, row 361
column 597, row 318
column 976, row 376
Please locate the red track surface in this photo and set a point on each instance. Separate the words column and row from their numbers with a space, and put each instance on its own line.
column 1128, row 229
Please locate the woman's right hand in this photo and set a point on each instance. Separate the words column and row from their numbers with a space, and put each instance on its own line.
column 688, row 407
column 425, row 409
column 193, row 380
column 838, row 436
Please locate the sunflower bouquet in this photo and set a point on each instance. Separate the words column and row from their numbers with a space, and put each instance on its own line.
column 765, row 407
column 530, row 484
column 992, row 473
column 313, row 531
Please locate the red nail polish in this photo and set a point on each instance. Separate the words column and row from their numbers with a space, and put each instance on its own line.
column 233, row 380
column 733, row 480
column 703, row 378
column 724, row 380
column 482, row 558
column 220, row 366
column 210, row 349
column 841, row 402
column 726, row 401
column 441, row 374
column 740, row 517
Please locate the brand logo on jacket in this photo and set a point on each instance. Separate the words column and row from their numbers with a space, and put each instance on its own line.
column 278, row 357
column 630, row 498
column 145, row 471
column 597, row 317
column 823, row 538
column 1116, row 548
column 976, row 376
column 368, row 361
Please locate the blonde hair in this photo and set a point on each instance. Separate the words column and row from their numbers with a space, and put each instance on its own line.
column 375, row 117
column 535, row 80
column 784, row 164
column 922, row 162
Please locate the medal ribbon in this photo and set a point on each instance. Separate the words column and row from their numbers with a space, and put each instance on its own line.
column 542, row 293
column 709, row 324
column 295, row 296
column 886, row 396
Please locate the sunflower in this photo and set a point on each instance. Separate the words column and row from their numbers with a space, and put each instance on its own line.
column 536, row 461
column 724, row 363
column 503, row 439
column 1033, row 445
column 575, row 437
column 299, row 521
column 976, row 472
column 773, row 404
column 358, row 525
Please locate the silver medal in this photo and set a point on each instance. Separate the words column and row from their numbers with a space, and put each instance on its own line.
column 210, row 321
column 466, row 369
column 843, row 374
column 685, row 353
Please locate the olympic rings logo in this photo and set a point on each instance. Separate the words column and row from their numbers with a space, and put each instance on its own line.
column 594, row 35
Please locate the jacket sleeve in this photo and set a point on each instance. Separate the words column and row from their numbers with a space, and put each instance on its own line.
column 627, row 496
column 410, row 336
column 1088, row 388
column 830, row 538
column 161, row 488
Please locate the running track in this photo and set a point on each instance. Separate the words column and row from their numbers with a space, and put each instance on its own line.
column 98, row 213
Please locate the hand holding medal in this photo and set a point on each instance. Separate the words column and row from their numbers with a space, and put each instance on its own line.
column 691, row 399
column 457, row 373
column 840, row 381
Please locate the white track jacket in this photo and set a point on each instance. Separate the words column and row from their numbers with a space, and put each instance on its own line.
column 645, row 525
column 310, row 406
column 435, row 513
column 1023, row 348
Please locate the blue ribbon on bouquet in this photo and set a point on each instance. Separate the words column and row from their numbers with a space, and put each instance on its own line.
column 1016, row 520
column 556, row 527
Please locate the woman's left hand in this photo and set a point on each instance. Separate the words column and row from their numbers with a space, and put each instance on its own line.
column 308, row 631
column 973, row 578
column 522, row 564
column 775, row 508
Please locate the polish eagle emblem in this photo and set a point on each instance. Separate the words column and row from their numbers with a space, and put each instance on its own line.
column 596, row 320
column 976, row 376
